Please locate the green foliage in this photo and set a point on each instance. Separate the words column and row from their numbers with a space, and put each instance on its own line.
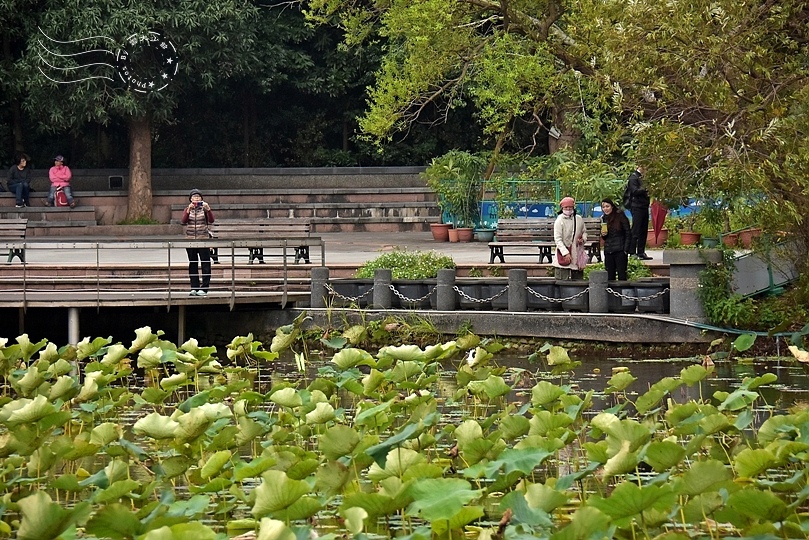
column 457, row 179
column 635, row 269
column 139, row 221
column 405, row 264
column 722, row 307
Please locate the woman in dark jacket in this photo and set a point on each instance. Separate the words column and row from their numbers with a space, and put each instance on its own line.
column 617, row 237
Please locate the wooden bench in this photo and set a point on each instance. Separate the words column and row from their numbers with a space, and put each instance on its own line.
column 537, row 234
column 260, row 229
column 13, row 230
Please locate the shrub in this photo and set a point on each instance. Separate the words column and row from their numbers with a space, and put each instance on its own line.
column 405, row 264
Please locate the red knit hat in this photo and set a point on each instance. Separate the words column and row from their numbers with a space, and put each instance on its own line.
column 567, row 201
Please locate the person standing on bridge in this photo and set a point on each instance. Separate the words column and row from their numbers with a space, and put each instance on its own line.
column 196, row 218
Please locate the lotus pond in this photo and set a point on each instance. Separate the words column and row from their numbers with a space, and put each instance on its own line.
column 161, row 441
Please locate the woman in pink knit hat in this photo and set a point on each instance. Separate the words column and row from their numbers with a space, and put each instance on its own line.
column 569, row 235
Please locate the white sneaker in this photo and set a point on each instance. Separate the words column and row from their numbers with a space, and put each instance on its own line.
column 202, row 293
column 193, row 293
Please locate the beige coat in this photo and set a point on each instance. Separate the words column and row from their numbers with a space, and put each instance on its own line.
column 563, row 237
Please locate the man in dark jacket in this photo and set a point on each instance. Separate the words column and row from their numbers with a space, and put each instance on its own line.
column 636, row 199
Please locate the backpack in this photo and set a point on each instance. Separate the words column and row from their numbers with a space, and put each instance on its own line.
column 59, row 198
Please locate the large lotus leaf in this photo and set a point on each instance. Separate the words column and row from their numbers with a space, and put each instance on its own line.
column 543, row 497
column 786, row 427
column 397, row 462
column 154, row 395
column 544, row 393
column 26, row 411
column 117, row 490
column 105, row 433
column 354, row 519
column 522, row 460
column 355, row 334
column 445, row 351
column 378, row 504
column 215, row 411
column 29, row 382
column 143, row 337
column 42, row 518
column 478, row 357
column 744, row 342
column 751, row 383
column 114, row 521
column 751, row 462
column 157, row 426
column 466, row 432
column 181, row 531
column 464, row 517
column 49, row 354
column 440, row 498
column 174, row 466
column 59, row 368
column 522, row 512
column 411, row 353
column 173, row 382
column 628, row 500
column 714, row 423
column 63, row 388
column 737, row 400
column 349, row 358
column 277, row 492
column 28, row 349
column 192, row 424
column 492, row 387
column 705, row 476
column 372, row 381
column 322, row 413
column 150, row 358
column 406, row 371
column 514, row 426
column 253, row 469
column 338, row 441
column 753, row 505
column 287, row 397
column 622, row 460
column 372, row 415
column 284, row 338
column 477, row 450
column 622, row 431
column 273, row 529
column 215, row 463
column 380, row 451
column 87, row 349
column 557, row 356
column 693, row 374
column 115, row 353
column 620, row 381
column 546, row 423
column 468, row 341
column 587, row 522
column 699, row 506
column 332, row 478
column 663, row 455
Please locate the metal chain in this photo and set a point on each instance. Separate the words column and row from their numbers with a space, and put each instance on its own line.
column 352, row 299
column 557, row 300
column 638, row 298
column 480, row 300
column 403, row 298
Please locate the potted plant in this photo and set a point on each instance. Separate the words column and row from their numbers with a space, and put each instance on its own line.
column 457, row 179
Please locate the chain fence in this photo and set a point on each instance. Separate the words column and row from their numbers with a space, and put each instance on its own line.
column 637, row 298
column 350, row 299
column 557, row 300
column 480, row 300
column 404, row 299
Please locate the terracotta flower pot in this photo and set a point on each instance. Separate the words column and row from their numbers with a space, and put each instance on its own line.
column 746, row 237
column 465, row 234
column 730, row 239
column 453, row 235
column 440, row 231
column 661, row 238
column 689, row 238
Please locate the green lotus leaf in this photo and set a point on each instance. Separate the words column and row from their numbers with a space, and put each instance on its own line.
column 705, row 476
column 220, row 484
column 699, row 506
column 406, row 371
column 30, row 381
column 143, row 337
column 619, row 382
column 28, row 349
column 181, row 531
column 380, row 451
column 241, row 346
column 464, row 517
column 478, row 357
column 628, row 500
column 192, row 424
column 477, row 450
column 215, row 411
column 42, row 518
column 751, row 462
column 63, row 388
column 273, row 529
column 663, row 455
column 150, row 358
column 693, row 374
column 411, row 353
column 545, row 423
column 287, row 397
column 87, row 349
column 355, row 334
column 469, row 341
column 447, row 350
column 752, row 505
column 737, row 400
column 787, row 427
column 157, row 426
column 174, row 466
column 173, row 382
column 154, row 395
column 522, row 460
column 493, row 387
column 397, row 463
column 623, row 460
column 440, row 498
column 81, row 448
column 349, row 358
column 372, row 381
column 335, row 342
column 545, row 498
column 26, row 411
column 115, row 354
column 338, row 441
column 333, row 478
column 253, row 469
column 372, row 414
column 514, row 426
column 586, row 522
column 466, row 432
column 544, row 393
column 751, row 383
column 283, row 340
column 322, row 413
column 621, row 431
column 117, row 490
column 49, row 354
column 59, row 368
column 557, row 356
column 66, row 482
column 379, row 504
column 744, row 342
column 114, row 521
column 354, row 519
column 523, row 512
column 215, row 463
column 277, row 492
column 105, row 433
column 249, row 429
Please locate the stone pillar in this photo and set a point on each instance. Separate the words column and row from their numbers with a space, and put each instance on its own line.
column 445, row 299
column 684, row 268
column 383, row 296
column 598, row 292
column 320, row 295
column 517, row 295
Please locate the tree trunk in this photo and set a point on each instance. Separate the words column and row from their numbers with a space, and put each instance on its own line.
column 567, row 135
column 140, row 170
